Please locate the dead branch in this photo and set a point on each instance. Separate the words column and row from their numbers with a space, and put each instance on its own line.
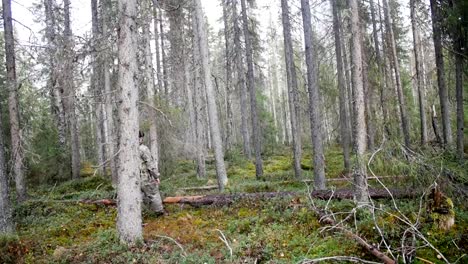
column 338, row 258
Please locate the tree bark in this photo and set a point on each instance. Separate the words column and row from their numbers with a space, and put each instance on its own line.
column 149, row 83
column 340, row 194
column 253, row 95
column 378, row 57
column 292, row 89
column 240, row 81
column 396, row 70
column 439, row 59
column 211, row 100
column 314, row 101
column 106, row 62
column 229, row 113
column 6, row 219
column 163, row 57
column 13, row 104
column 55, row 84
column 361, row 192
column 420, row 78
column 96, row 82
column 459, row 45
column 69, row 89
column 344, row 115
column 177, row 57
column 128, row 191
column 160, row 84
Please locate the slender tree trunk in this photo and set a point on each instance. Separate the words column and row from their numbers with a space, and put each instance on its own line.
column 439, row 59
column 211, row 100
column 128, row 191
column 241, row 85
column 13, row 104
column 396, row 71
column 163, row 57
column 378, row 57
column 6, row 219
column 420, row 79
column 348, row 94
column 252, row 92
column 106, row 62
column 199, row 110
column 344, row 115
column 176, row 56
column 70, row 94
column 361, row 195
column 54, row 84
column 459, row 45
column 387, row 80
column 314, row 100
column 160, row 84
column 96, row 83
column 284, row 102
column 149, row 83
column 368, row 95
column 229, row 113
column 292, row 89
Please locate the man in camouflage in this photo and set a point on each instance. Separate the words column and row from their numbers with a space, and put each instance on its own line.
column 149, row 177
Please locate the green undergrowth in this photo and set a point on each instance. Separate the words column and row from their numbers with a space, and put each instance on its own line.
column 54, row 227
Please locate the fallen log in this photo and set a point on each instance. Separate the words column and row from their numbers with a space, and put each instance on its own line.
column 200, row 188
column 348, row 179
column 227, row 199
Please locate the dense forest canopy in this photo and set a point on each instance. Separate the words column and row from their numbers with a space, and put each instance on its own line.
column 237, row 99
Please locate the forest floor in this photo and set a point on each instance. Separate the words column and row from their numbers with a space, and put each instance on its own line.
column 55, row 227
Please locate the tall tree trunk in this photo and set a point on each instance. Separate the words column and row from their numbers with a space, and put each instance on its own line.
column 439, row 59
column 368, row 95
column 396, row 71
column 160, row 84
column 54, row 84
column 149, row 83
column 348, row 94
column 387, row 80
column 344, row 115
column 361, row 195
column 128, row 191
column 13, row 104
column 176, row 56
column 292, row 88
column 96, row 83
column 199, row 110
column 241, row 85
column 229, row 113
column 314, row 100
column 69, row 88
column 420, row 79
column 459, row 44
column 163, row 56
column 106, row 62
column 211, row 100
column 252, row 92
column 378, row 57
column 6, row 219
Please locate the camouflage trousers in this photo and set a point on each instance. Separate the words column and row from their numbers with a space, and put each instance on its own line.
column 152, row 196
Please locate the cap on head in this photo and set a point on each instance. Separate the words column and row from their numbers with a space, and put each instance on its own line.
column 141, row 134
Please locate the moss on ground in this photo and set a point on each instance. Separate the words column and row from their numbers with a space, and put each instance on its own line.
column 54, row 228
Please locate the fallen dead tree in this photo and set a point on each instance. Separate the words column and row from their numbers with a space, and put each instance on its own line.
column 227, row 199
column 344, row 179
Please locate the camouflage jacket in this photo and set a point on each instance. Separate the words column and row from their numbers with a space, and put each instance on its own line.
column 147, row 163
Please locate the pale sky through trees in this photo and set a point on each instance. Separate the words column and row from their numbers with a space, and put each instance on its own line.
column 81, row 16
